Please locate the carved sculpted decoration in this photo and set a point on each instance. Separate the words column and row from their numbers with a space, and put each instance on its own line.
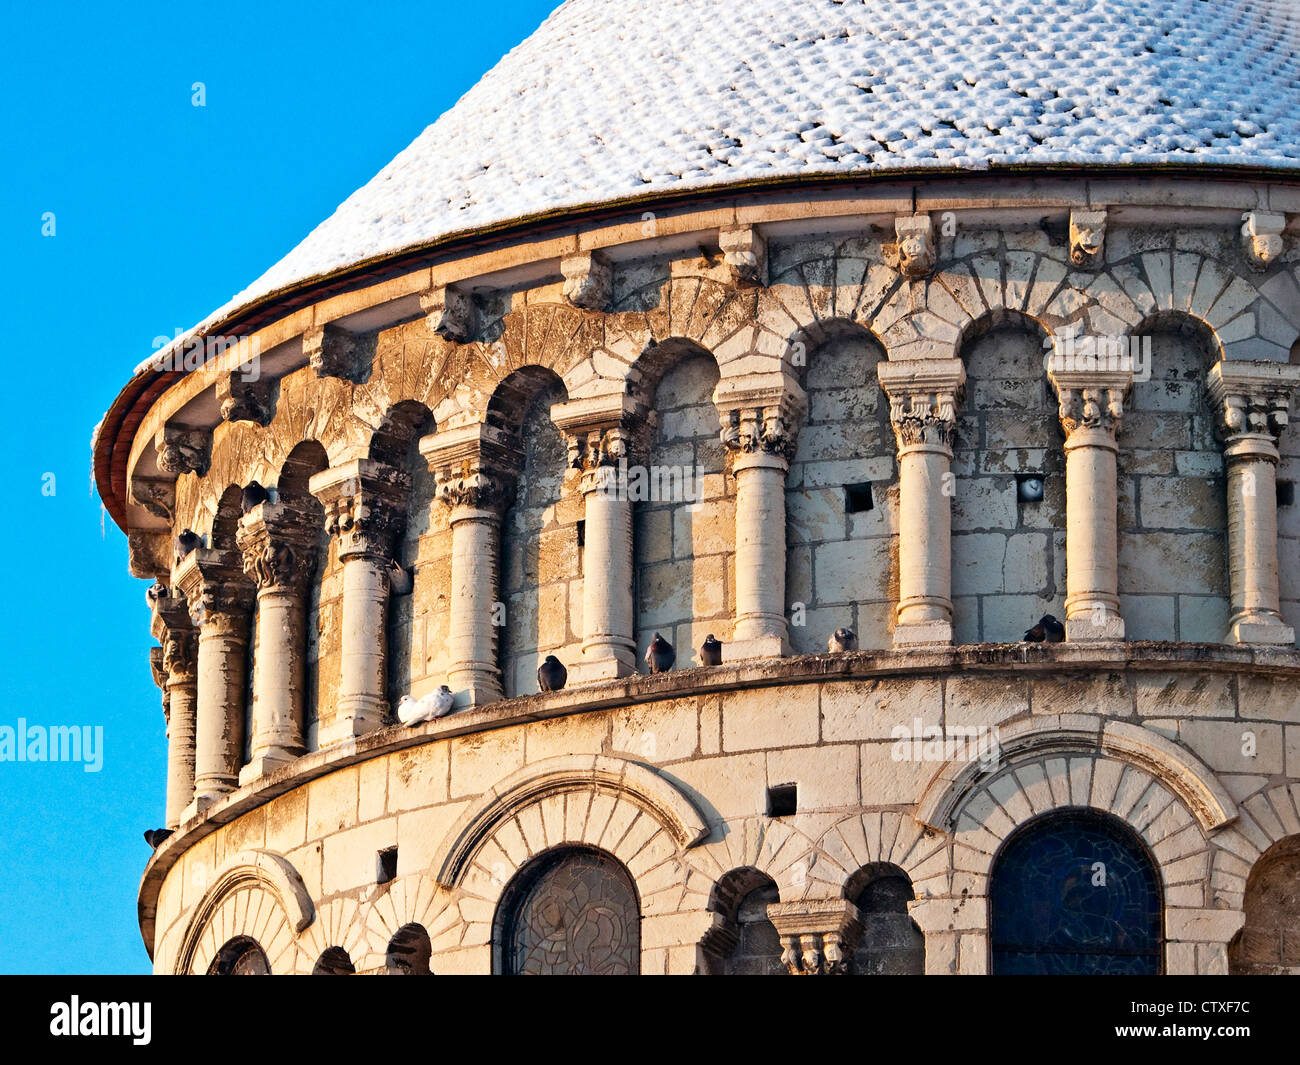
column 279, row 551
column 1252, row 399
column 243, row 400
column 588, row 280
column 1087, row 237
column 1261, row 238
column 916, row 254
column 925, row 417
column 183, row 449
column 1091, row 408
column 771, row 429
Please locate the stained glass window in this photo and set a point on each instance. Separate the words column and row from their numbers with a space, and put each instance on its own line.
column 574, row 914
column 240, row 957
column 1075, row 892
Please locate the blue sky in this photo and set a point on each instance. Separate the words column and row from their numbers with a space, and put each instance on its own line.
column 162, row 211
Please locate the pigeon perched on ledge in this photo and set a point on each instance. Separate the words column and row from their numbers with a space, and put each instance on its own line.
column 842, row 639
column 551, row 674
column 155, row 836
column 187, row 541
column 251, row 496
column 660, row 656
column 156, row 591
column 711, row 651
column 1048, row 630
column 426, row 708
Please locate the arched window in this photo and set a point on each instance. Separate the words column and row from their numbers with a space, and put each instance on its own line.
column 334, row 961
column 241, row 956
column 408, row 952
column 1075, row 892
column 571, row 912
column 746, row 942
column 1269, row 942
column 891, row 944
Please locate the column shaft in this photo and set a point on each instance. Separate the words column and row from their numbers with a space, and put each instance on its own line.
column 363, row 649
column 608, row 649
column 760, row 628
column 181, row 736
column 278, row 681
column 219, row 746
column 472, row 637
column 924, row 545
column 1091, row 537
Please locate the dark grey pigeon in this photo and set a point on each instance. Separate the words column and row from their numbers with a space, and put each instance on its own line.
column 187, row 541
column 155, row 836
column 1048, row 630
column 842, row 640
column 252, row 495
column 711, row 651
column 660, row 656
column 551, row 674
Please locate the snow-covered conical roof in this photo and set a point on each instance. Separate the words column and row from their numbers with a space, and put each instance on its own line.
column 612, row 100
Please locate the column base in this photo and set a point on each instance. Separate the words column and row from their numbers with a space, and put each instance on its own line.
column 352, row 721
column 1261, row 629
column 757, row 647
column 476, row 695
column 1086, row 629
column 200, row 806
column 923, row 633
column 591, row 670
column 263, row 764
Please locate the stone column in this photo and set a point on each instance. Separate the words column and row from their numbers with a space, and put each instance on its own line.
column 599, row 433
column 220, row 599
column 279, row 547
column 760, row 415
column 923, row 398
column 365, row 508
column 1251, row 401
column 1091, row 408
column 817, row 935
column 178, row 660
column 473, row 465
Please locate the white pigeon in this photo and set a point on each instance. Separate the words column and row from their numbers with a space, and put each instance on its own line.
column 427, row 708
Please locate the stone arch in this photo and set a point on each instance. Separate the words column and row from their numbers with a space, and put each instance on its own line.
column 1269, row 942
column 742, row 940
column 409, row 951
column 891, row 942
column 226, row 519
column 599, row 916
column 333, row 961
column 1171, row 801
column 365, row 929
column 241, row 956
column 258, row 894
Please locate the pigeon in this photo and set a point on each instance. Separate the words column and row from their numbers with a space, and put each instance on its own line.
column 1048, row 630
column 187, row 541
column 711, row 651
column 252, row 495
column 155, row 836
column 842, row 640
column 551, row 674
column 399, row 579
column 426, row 708
column 660, row 656
column 156, row 591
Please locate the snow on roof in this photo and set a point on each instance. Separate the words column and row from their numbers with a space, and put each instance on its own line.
column 611, row 99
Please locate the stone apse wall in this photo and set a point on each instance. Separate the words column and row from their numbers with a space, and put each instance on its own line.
column 838, row 417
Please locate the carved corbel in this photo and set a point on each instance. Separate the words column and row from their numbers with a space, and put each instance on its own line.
column 183, row 448
column 1261, row 237
column 450, row 313
column 1087, row 237
column 916, row 254
column 588, row 280
column 334, row 352
column 156, row 494
column 243, row 399
column 817, row 935
column 745, row 252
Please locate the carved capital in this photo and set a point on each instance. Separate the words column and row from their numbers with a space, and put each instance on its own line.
column 474, row 466
column 916, row 254
column 924, row 397
column 760, row 413
column 183, row 448
column 365, row 505
column 450, row 313
column 278, row 543
column 243, row 399
column 1261, row 237
column 588, row 280
column 1251, row 400
column 816, row 935
column 216, row 590
column 1089, row 399
column 156, row 494
column 599, row 432
column 745, row 252
column 334, row 352
column 1087, row 238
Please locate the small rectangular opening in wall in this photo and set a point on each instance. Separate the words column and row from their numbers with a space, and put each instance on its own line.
column 857, row 498
column 1286, row 493
column 582, row 533
column 1029, row 487
column 783, row 800
column 387, row 866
